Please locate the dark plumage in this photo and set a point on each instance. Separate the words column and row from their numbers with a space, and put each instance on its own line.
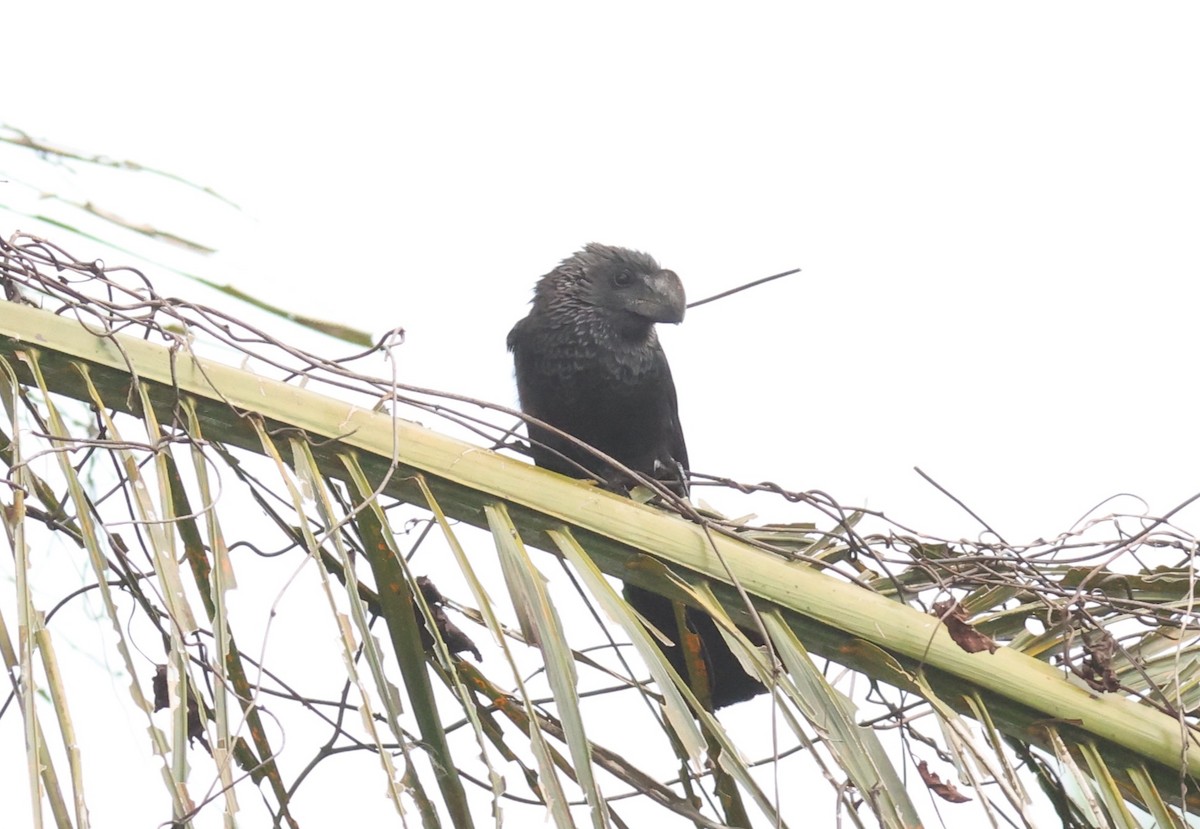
column 589, row 363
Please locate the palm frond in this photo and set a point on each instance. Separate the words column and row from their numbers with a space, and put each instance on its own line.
column 1098, row 708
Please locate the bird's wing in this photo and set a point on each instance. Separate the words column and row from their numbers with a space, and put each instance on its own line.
column 673, row 453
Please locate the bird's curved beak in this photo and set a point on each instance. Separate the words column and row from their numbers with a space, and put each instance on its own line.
column 664, row 299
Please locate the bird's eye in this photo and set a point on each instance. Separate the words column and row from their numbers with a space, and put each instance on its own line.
column 622, row 278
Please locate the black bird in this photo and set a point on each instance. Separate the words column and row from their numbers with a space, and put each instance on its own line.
column 588, row 362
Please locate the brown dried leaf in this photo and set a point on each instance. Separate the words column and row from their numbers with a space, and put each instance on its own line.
column 195, row 725
column 452, row 635
column 954, row 617
column 1097, row 670
column 159, row 687
column 946, row 791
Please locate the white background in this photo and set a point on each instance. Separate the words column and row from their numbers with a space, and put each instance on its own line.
column 995, row 208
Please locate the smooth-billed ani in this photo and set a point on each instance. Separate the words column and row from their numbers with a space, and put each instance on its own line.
column 588, row 362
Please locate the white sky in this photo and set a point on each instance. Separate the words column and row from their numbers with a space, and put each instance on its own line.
column 995, row 207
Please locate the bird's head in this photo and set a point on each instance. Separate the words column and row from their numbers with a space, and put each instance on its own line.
column 627, row 283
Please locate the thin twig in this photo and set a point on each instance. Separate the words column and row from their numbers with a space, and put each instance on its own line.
column 741, row 288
